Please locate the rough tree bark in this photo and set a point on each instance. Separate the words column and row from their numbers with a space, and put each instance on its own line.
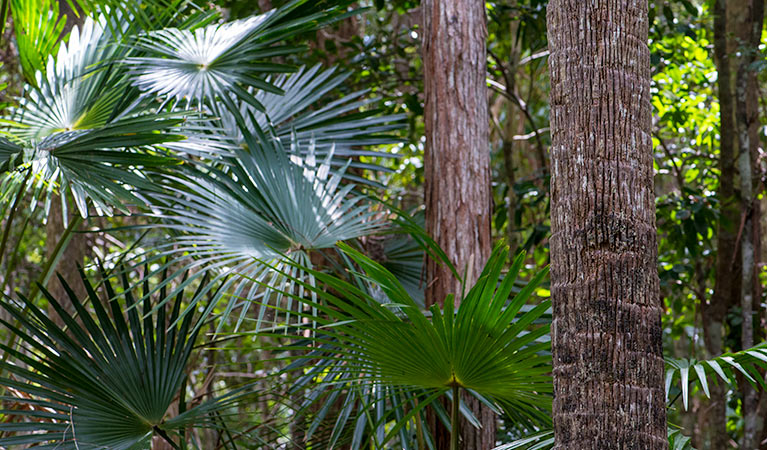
column 457, row 163
column 607, row 349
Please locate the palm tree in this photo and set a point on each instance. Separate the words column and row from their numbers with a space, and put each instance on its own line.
column 607, row 331
column 94, row 122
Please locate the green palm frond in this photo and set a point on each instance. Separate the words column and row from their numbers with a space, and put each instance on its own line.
column 486, row 347
column 38, row 28
column 99, row 382
column 263, row 206
column 208, row 64
column 678, row 441
column 10, row 155
column 543, row 440
column 4, row 7
column 693, row 373
column 150, row 14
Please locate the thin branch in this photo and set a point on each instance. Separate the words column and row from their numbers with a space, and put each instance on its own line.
column 667, row 151
column 508, row 92
column 533, row 57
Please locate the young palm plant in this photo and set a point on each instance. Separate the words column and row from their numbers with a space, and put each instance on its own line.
column 487, row 346
column 106, row 381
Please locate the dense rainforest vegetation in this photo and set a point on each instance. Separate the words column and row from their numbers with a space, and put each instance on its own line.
column 310, row 224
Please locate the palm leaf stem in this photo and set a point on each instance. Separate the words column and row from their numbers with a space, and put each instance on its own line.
column 160, row 432
column 12, row 215
column 454, row 416
column 15, row 255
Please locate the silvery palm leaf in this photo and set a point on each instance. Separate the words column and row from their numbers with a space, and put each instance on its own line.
column 262, row 207
column 346, row 124
column 70, row 95
column 82, row 127
column 205, row 65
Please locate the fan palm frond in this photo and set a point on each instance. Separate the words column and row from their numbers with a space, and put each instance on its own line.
column 208, row 64
column 538, row 441
column 99, row 382
column 345, row 124
column 10, row 155
column 262, row 207
column 38, row 28
column 81, row 127
column 545, row 441
column 151, row 14
column 70, row 94
column 487, row 347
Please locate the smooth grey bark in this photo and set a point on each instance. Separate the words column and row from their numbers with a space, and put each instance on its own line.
column 607, row 347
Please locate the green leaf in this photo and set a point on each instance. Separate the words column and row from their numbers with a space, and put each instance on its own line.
column 747, row 362
column 38, row 29
column 109, row 379
column 489, row 353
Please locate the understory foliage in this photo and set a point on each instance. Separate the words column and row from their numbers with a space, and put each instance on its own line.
column 212, row 238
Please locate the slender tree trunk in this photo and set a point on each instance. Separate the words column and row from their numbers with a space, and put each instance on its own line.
column 748, row 17
column 514, row 125
column 457, row 164
column 728, row 264
column 607, row 348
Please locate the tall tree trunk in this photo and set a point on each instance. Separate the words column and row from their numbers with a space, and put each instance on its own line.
column 728, row 264
column 457, row 164
column 607, row 348
column 748, row 16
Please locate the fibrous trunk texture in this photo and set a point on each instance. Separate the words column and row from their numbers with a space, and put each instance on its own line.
column 457, row 164
column 607, row 349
